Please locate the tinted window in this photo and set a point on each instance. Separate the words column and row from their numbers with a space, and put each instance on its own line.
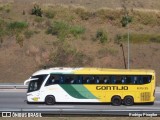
column 140, row 79
column 36, row 84
column 53, row 79
column 146, row 79
column 79, row 79
column 70, row 79
column 102, row 79
column 86, row 79
column 97, row 79
column 118, row 79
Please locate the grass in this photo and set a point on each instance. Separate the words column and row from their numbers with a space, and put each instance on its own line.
column 59, row 28
column 146, row 18
column 105, row 51
column 14, row 28
column 17, row 26
column 3, row 30
column 2, row 27
column 62, row 29
column 149, row 18
column 105, row 14
column 59, row 12
column 20, row 39
column 138, row 38
column 38, row 19
column 101, row 35
column 110, row 15
column 5, row 7
column 49, row 13
column 28, row 34
column 77, row 30
column 83, row 13
column 2, row 33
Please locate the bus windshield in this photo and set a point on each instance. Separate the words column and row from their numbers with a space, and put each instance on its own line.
column 36, row 84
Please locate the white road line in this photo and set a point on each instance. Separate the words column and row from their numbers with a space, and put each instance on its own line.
column 145, row 108
column 56, row 106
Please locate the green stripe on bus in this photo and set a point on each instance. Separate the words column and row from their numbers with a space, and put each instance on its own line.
column 72, row 91
column 84, row 91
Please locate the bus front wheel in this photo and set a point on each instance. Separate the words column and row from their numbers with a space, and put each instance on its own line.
column 50, row 100
column 116, row 100
column 128, row 101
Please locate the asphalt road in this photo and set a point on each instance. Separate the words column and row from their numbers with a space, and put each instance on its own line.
column 14, row 100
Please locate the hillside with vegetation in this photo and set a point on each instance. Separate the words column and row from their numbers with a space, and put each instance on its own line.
column 73, row 33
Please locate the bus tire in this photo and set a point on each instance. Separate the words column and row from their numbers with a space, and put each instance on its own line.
column 50, row 100
column 116, row 100
column 128, row 100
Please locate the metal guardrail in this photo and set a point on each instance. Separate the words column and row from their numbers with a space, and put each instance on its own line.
column 12, row 86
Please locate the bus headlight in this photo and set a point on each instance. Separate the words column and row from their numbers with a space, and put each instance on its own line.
column 35, row 99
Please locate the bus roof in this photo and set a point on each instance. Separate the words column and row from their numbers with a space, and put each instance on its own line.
column 94, row 71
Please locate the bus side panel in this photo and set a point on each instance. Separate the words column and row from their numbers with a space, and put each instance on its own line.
column 141, row 93
column 69, row 93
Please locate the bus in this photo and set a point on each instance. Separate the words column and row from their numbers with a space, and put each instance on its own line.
column 92, row 85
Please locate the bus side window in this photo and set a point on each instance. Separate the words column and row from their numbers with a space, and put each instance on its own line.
column 70, row 79
column 113, row 80
column 134, row 79
column 79, row 79
column 94, row 79
column 50, row 80
column 128, row 80
column 105, row 80
column 118, row 79
column 56, row 79
column 123, row 80
column 67, row 79
column 140, row 80
column 53, row 79
column 86, row 80
column 146, row 79
column 97, row 80
column 61, row 79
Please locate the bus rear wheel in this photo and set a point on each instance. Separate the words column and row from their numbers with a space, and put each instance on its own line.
column 116, row 100
column 128, row 100
column 50, row 100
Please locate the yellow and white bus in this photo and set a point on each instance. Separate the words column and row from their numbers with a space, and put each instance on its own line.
column 97, row 85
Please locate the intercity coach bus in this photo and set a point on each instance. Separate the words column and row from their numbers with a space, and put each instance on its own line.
column 92, row 85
